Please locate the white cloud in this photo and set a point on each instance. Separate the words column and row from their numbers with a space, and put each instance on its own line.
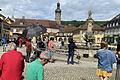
column 71, row 9
column 117, row 1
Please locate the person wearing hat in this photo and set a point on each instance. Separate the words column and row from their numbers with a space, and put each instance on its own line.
column 35, row 70
column 106, row 58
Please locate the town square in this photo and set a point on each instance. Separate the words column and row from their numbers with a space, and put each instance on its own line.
column 59, row 40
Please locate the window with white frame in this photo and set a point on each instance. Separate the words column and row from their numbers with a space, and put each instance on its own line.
column 14, row 30
column 117, row 24
column 113, row 24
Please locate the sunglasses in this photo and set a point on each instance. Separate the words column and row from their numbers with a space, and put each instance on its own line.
column 47, row 60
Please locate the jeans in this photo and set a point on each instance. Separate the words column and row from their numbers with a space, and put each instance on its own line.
column 50, row 54
column 28, row 55
column 70, row 55
column 4, row 47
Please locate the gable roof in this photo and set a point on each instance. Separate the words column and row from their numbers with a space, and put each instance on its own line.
column 95, row 26
column 2, row 17
column 69, row 28
column 116, row 17
column 29, row 22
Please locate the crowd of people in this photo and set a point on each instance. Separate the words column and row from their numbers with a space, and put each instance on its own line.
column 12, row 62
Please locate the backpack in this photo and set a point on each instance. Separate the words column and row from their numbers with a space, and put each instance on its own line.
column 40, row 45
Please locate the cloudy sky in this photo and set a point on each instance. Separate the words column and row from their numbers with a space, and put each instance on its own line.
column 71, row 9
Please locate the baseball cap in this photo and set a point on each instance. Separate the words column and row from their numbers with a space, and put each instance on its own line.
column 44, row 56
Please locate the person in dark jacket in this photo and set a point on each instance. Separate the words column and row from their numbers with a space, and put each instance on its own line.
column 41, row 45
column 71, row 49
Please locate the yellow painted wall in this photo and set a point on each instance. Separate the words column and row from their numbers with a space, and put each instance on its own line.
column 98, row 38
column 76, row 37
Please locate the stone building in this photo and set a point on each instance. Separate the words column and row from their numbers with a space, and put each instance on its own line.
column 112, row 30
column 58, row 14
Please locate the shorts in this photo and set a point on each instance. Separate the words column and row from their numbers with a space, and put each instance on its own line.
column 50, row 54
column 103, row 73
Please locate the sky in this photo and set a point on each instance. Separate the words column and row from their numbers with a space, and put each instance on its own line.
column 71, row 9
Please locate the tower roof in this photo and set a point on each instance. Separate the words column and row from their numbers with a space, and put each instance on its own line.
column 58, row 7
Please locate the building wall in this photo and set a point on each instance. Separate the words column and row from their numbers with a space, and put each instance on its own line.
column 82, row 33
column 112, row 30
column 52, row 30
column 98, row 38
column 76, row 37
column 4, row 30
column 17, row 30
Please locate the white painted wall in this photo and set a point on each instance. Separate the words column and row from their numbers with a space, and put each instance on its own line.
column 52, row 30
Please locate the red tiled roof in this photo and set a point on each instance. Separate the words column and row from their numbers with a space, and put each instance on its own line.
column 95, row 26
column 69, row 29
column 29, row 22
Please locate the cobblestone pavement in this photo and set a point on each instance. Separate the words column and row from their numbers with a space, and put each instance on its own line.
column 60, row 70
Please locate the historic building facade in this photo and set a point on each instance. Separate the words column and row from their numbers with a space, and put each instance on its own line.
column 5, row 27
column 52, row 27
column 89, row 28
column 19, row 25
column 66, row 31
column 112, row 30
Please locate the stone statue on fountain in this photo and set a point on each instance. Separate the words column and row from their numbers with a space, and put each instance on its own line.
column 89, row 33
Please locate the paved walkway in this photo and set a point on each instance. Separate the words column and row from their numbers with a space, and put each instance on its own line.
column 60, row 70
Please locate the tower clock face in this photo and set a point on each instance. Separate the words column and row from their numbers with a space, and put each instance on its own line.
column 58, row 16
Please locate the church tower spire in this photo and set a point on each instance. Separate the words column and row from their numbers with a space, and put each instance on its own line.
column 58, row 13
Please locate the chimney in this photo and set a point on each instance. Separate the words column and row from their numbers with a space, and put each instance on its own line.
column 23, row 17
